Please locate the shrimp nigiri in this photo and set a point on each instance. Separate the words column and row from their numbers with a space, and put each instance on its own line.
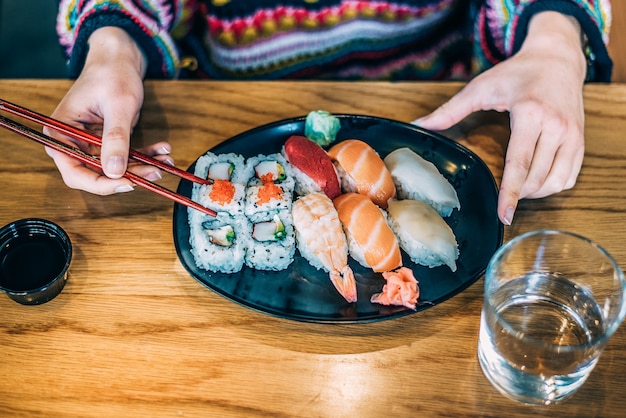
column 321, row 241
column 362, row 170
column 371, row 241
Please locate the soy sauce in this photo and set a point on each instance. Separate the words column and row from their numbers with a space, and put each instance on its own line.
column 30, row 262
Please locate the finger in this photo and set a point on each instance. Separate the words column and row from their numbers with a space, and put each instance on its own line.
column 78, row 176
column 564, row 172
column 159, row 151
column 543, row 162
column 158, row 148
column 467, row 101
column 519, row 156
column 146, row 171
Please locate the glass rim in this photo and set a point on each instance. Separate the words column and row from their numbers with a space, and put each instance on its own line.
column 614, row 325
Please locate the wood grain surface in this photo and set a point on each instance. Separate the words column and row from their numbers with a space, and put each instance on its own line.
column 133, row 334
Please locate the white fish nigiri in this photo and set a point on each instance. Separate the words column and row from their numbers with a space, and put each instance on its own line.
column 418, row 179
column 321, row 241
column 423, row 234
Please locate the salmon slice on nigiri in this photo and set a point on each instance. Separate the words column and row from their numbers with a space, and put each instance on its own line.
column 363, row 171
column 371, row 241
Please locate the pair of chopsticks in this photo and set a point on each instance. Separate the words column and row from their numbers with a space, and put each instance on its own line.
column 94, row 162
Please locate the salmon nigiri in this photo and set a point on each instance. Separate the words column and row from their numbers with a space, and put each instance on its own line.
column 362, row 170
column 321, row 241
column 371, row 241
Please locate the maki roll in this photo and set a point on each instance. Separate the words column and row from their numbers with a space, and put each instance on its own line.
column 272, row 168
column 219, row 244
column 270, row 189
column 229, row 175
column 272, row 243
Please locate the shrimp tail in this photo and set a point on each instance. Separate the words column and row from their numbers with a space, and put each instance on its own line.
column 344, row 283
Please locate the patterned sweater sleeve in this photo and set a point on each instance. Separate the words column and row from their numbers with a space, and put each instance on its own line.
column 149, row 22
column 500, row 28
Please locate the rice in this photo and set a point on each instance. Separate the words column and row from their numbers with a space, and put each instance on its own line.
column 253, row 203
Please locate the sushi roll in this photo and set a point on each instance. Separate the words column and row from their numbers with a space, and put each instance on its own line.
column 272, row 242
column 322, row 242
column 269, row 168
column 418, row 179
column 229, row 166
column 423, row 233
column 313, row 169
column 270, row 189
column 371, row 242
column 223, row 196
column 268, row 197
column 229, row 174
column 361, row 170
column 219, row 244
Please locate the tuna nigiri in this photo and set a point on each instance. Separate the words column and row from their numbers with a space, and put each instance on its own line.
column 371, row 241
column 321, row 241
column 362, row 170
column 313, row 168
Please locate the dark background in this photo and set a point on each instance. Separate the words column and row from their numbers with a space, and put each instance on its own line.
column 29, row 46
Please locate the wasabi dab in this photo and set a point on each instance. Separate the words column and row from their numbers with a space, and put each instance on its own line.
column 321, row 127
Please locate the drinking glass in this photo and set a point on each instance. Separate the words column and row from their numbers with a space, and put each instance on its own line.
column 552, row 301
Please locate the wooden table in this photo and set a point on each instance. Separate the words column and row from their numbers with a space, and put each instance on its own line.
column 133, row 334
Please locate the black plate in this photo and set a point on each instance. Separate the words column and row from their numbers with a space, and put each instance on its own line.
column 303, row 293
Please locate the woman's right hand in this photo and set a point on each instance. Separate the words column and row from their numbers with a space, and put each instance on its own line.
column 106, row 100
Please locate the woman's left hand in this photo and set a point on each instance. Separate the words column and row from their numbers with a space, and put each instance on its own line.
column 541, row 87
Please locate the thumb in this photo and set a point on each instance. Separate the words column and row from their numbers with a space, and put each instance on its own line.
column 116, row 143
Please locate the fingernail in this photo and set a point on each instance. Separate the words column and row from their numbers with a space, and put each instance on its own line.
column 169, row 161
column 508, row 215
column 115, row 165
column 154, row 176
column 418, row 120
column 164, row 150
column 124, row 188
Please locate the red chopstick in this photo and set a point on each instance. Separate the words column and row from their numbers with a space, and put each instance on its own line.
column 74, row 132
column 95, row 163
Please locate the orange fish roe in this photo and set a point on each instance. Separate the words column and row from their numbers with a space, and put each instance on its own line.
column 267, row 178
column 222, row 192
column 269, row 191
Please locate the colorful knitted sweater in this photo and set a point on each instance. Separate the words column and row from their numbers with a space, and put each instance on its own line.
column 326, row 39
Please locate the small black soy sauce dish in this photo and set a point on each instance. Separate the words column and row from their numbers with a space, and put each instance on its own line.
column 35, row 256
